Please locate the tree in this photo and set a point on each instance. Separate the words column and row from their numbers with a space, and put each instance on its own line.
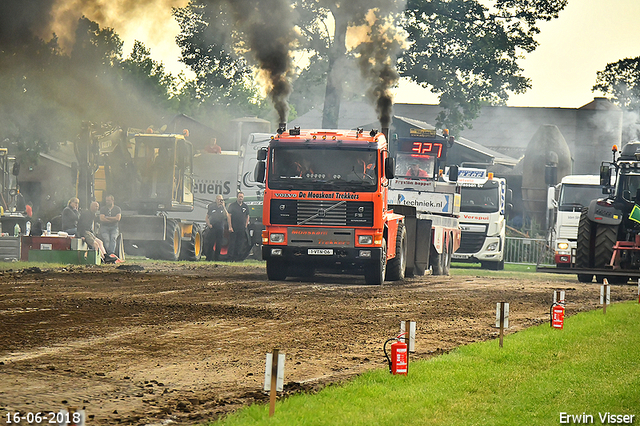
column 222, row 86
column 621, row 81
column 467, row 52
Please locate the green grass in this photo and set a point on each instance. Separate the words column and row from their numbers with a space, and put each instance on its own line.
column 591, row 366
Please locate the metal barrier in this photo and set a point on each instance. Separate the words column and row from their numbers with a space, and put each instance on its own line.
column 528, row 250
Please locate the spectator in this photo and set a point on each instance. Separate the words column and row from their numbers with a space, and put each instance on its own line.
column 86, row 229
column 214, row 234
column 70, row 216
column 109, row 218
column 213, row 147
column 238, row 218
column 28, row 209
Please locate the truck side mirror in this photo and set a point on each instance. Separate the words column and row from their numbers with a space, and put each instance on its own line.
column 262, row 154
column 605, row 176
column 390, row 167
column 16, row 169
column 453, row 173
column 259, row 172
column 509, row 196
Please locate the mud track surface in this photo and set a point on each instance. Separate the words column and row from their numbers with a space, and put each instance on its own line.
column 187, row 343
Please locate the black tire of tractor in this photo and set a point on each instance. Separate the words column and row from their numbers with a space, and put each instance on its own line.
column 585, row 278
column 192, row 250
column 606, row 237
column 375, row 273
column 397, row 266
column 584, row 253
column 276, row 270
column 170, row 248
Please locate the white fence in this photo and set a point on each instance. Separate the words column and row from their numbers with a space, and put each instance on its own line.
column 528, row 250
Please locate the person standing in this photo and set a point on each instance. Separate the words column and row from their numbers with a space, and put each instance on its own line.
column 110, row 215
column 215, row 219
column 70, row 216
column 238, row 218
column 86, row 228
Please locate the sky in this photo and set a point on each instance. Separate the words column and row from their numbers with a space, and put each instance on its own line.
column 587, row 36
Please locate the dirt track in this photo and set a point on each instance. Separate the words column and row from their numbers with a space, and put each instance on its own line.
column 187, row 343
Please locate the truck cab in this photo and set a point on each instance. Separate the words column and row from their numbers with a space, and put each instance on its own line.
column 575, row 193
column 485, row 202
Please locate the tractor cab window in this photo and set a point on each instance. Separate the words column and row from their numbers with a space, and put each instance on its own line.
column 630, row 185
column 415, row 166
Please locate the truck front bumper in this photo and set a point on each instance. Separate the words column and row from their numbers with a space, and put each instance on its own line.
column 335, row 258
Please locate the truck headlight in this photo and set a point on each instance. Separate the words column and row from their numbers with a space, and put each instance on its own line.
column 563, row 246
column 492, row 247
column 365, row 239
column 276, row 238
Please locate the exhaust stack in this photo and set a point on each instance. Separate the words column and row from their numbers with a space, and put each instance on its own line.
column 282, row 127
column 385, row 132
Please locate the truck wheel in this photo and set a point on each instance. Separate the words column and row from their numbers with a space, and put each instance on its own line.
column 375, row 274
column 437, row 261
column 584, row 256
column 192, row 250
column 169, row 249
column 276, row 270
column 447, row 257
column 397, row 265
column 493, row 266
column 606, row 237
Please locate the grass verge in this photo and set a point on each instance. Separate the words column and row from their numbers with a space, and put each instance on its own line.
column 590, row 367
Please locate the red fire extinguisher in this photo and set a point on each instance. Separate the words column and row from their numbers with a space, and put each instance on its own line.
column 398, row 363
column 557, row 315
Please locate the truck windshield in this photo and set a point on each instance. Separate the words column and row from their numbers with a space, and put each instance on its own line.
column 415, row 165
column 573, row 197
column 323, row 169
column 479, row 200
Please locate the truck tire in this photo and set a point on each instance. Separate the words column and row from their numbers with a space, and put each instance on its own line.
column 493, row 266
column 375, row 274
column 585, row 278
column 169, row 249
column 276, row 270
column 446, row 268
column 437, row 261
column 192, row 250
column 397, row 266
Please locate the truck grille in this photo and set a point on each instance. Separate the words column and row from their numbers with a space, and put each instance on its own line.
column 471, row 242
column 349, row 213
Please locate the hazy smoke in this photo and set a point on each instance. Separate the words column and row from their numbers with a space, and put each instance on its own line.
column 378, row 50
column 269, row 30
column 20, row 20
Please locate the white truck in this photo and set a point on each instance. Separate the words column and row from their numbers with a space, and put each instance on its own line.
column 485, row 202
column 575, row 193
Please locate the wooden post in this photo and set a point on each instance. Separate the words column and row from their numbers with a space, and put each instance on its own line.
column 274, row 382
column 604, row 295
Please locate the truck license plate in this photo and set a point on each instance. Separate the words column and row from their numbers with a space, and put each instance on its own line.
column 460, row 256
column 325, row 252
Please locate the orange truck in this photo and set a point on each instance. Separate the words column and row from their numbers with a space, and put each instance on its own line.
column 326, row 208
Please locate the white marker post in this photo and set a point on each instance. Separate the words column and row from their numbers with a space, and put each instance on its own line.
column 558, row 296
column 502, row 318
column 411, row 341
column 274, row 378
column 605, row 295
